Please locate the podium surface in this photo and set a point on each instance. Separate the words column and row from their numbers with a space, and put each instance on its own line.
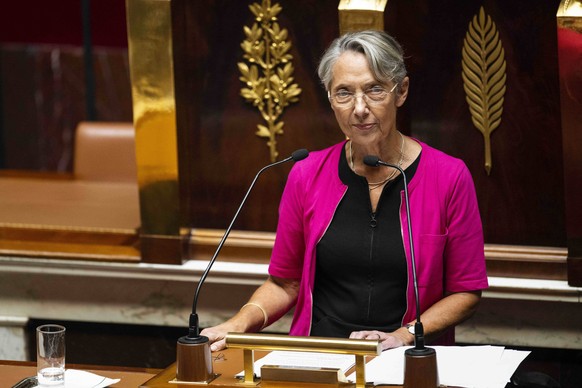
column 226, row 364
column 12, row 372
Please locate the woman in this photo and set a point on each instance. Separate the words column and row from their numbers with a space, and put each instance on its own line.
column 341, row 255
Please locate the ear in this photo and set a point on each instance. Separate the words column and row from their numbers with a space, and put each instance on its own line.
column 402, row 92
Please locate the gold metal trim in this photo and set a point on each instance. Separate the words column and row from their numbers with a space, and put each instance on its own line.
column 150, row 51
column 358, row 15
column 484, row 77
column 266, row 49
column 66, row 228
column 569, row 15
column 253, row 341
column 257, row 341
column 570, row 8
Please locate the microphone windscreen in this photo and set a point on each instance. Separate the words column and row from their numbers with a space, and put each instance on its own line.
column 300, row 154
column 371, row 160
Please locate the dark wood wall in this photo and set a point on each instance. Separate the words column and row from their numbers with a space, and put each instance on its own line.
column 43, row 79
column 217, row 127
column 43, row 98
column 521, row 201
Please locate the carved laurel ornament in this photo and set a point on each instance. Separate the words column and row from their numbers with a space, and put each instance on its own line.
column 484, row 77
column 268, row 72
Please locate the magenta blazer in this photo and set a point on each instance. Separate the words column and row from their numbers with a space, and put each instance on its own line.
column 446, row 227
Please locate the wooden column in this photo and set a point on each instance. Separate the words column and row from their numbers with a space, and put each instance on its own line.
column 570, row 63
column 154, row 115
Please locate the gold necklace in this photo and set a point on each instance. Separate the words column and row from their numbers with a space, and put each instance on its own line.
column 375, row 185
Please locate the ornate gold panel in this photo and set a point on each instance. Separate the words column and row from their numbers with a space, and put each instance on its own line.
column 484, row 77
column 154, row 114
column 268, row 73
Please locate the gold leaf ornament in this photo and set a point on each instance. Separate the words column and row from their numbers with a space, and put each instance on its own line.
column 484, row 77
column 268, row 73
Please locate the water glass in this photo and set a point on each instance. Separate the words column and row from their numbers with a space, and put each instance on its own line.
column 50, row 355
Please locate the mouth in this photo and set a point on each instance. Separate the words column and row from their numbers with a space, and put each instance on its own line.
column 364, row 126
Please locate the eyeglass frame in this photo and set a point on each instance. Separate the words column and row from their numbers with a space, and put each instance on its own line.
column 363, row 95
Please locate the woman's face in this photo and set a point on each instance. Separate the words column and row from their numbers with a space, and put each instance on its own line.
column 366, row 122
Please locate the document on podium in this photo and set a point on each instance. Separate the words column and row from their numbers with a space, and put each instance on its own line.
column 461, row 366
column 306, row 360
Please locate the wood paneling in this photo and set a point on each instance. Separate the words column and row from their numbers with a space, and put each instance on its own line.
column 220, row 153
column 68, row 243
column 569, row 34
column 522, row 202
column 43, row 99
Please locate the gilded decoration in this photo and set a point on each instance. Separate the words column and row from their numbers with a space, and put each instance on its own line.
column 484, row 77
column 358, row 15
column 151, row 67
column 569, row 15
column 268, row 72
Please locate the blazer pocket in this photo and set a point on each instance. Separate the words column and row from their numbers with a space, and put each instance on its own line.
column 429, row 259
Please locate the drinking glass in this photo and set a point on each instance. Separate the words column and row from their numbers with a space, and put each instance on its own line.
column 50, row 355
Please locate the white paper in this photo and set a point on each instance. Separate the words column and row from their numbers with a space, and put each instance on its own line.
column 81, row 379
column 468, row 366
column 305, row 360
column 388, row 368
column 462, row 366
column 508, row 364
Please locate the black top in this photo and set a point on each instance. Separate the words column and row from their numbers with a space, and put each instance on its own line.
column 361, row 270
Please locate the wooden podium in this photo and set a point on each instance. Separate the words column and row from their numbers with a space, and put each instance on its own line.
column 14, row 372
column 227, row 364
column 244, row 348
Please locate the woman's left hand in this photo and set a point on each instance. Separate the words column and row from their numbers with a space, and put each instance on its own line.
column 388, row 340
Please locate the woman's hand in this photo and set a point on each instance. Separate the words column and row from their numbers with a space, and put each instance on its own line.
column 270, row 302
column 216, row 335
column 446, row 313
column 400, row 337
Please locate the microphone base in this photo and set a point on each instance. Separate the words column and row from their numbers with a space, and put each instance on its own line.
column 420, row 368
column 194, row 360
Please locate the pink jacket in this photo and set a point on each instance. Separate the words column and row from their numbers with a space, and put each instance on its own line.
column 446, row 227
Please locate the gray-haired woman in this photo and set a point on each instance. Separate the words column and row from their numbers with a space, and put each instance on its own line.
column 341, row 254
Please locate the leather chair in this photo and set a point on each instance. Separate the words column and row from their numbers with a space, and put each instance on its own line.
column 105, row 151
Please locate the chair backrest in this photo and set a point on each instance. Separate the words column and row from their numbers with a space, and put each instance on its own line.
column 105, row 151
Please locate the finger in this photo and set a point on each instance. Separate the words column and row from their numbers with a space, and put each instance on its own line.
column 391, row 342
column 218, row 345
column 360, row 334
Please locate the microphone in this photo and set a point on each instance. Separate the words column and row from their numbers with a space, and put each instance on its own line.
column 193, row 363
column 419, row 358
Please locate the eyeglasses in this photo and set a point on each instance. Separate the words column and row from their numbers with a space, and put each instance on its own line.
column 373, row 96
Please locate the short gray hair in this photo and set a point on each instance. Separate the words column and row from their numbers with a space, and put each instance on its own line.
column 383, row 52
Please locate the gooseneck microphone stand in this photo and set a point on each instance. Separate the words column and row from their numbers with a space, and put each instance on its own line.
column 420, row 365
column 194, row 362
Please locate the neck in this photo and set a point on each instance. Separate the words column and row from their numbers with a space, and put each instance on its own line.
column 393, row 153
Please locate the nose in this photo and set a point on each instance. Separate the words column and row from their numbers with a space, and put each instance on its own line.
column 360, row 105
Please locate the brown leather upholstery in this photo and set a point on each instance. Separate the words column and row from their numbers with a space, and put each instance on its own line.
column 105, row 151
